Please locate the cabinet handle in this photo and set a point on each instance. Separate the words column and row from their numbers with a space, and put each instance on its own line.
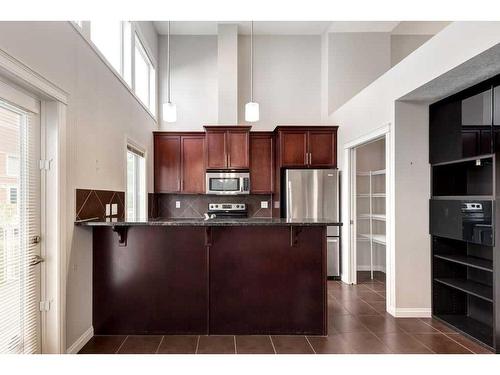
column 178, row 184
column 228, row 160
column 310, row 158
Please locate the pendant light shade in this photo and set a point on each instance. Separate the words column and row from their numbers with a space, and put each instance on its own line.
column 169, row 109
column 169, row 112
column 252, row 112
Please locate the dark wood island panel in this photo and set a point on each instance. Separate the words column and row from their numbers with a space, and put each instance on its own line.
column 259, row 284
column 157, row 284
column 254, row 279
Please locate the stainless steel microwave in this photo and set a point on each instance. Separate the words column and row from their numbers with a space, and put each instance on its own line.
column 227, row 182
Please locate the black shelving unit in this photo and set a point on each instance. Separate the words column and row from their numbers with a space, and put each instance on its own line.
column 464, row 214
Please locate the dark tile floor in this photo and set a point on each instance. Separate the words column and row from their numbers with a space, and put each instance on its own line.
column 357, row 323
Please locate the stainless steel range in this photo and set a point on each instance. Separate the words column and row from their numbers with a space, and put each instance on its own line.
column 227, row 210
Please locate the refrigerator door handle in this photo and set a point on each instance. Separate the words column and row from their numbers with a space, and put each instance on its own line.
column 289, row 201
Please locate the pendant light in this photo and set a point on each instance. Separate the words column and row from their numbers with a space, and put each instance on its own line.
column 169, row 108
column 251, row 108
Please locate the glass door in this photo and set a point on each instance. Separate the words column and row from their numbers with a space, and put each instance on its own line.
column 19, row 230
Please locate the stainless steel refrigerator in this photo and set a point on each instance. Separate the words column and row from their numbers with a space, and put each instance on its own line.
column 314, row 194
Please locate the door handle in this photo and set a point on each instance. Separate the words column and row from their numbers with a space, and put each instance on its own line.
column 37, row 259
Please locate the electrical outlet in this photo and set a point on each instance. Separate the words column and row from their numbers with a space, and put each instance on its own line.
column 114, row 209
column 264, row 204
column 276, row 204
column 177, row 204
column 108, row 209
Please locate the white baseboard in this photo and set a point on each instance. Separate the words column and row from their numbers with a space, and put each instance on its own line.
column 410, row 312
column 81, row 341
column 368, row 268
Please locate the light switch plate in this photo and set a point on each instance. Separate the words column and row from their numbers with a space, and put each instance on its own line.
column 114, row 219
column 264, row 204
column 114, row 209
column 108, row 209
column 177, row 204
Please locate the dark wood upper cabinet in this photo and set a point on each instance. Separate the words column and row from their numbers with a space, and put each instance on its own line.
column 314, row 146
column 322, row 148
column 167, row 163
column 216, row 149
column 261, row 162
column 238, row 149
column 227, row 147
column 179, row 163
column 193, row 164
column 293, row 148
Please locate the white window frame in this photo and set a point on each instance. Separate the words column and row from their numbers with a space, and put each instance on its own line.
column 129, row 143
column 147, row 56
column 84, row 32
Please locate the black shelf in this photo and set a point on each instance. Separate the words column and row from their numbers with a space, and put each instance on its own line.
column 481, row 264
column 482, row 291
column 471, row 327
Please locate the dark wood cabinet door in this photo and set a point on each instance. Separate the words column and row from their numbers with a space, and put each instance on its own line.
column 157, row 284
column 267, row 279
column 216, row 149
column 167, row 163
column 193, row 164
column 261, row 163
column 293, row 148
column 237, row 149
column 322, row 149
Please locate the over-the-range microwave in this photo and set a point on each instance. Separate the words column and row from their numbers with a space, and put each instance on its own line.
column 227, row 182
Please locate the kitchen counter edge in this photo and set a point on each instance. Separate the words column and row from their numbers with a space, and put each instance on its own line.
column 209, row 223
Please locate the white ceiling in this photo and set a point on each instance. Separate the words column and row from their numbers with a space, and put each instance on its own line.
column 303, row 27
column 260, row 27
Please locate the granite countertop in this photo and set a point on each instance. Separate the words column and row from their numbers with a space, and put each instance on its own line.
column 212, row 222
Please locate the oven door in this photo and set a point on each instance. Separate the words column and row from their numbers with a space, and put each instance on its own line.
column 469, row 221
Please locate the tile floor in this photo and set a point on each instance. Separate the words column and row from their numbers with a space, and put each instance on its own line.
column 357, row 323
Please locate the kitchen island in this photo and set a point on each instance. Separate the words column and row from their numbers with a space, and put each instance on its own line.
column 220, row 276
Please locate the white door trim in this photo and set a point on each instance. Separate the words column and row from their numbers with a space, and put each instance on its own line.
column 349, row 276
column 53, row 132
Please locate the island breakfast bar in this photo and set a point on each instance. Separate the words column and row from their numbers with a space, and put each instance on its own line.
column 222, row 276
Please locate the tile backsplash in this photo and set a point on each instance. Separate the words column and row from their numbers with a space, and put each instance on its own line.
column 91, row 204
column 194, row 206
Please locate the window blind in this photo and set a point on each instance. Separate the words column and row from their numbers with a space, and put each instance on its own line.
column 19, row 225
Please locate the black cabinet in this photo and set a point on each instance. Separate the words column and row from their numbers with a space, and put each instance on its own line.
column 461, row 126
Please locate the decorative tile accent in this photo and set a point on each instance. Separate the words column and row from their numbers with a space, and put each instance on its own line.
column 194, row 206
column 92, row 204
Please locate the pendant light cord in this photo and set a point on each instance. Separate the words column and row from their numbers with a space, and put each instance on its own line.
column 168, row 63
column 251, row 62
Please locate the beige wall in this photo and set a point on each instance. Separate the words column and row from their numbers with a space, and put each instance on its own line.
column 403, row 45
column 101, row 112
column 355, row 60
column 287, row 80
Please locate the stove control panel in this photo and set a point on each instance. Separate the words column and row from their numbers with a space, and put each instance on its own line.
column 226, row 206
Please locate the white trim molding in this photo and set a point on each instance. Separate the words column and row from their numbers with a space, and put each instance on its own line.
column 25, row 76
column 410, row 312
column 348, row 275
column 81, row 341
column 53, row 147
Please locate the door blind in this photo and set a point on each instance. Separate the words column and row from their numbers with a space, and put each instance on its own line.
column 19, row 228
